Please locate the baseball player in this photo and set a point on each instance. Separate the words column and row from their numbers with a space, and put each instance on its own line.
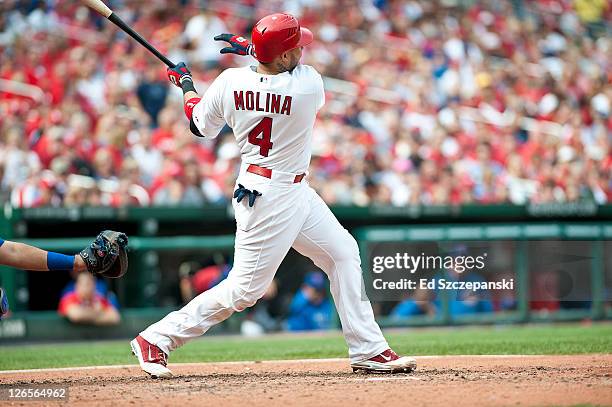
column 271, row 108
column 105, row 256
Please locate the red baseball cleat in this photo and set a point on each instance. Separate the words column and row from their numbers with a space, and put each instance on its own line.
column 386, row 362
column 152, row 359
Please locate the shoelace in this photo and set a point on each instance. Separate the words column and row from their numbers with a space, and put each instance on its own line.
column 241, row 192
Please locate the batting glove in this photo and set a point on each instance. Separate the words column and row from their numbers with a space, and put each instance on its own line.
column 238, row 44
column 179, row 74
column 241, row 192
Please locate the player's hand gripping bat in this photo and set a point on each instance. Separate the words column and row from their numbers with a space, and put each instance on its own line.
column 103, row 9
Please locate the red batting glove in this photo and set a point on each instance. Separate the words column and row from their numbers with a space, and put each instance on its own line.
column 178, row 74
column 238, row 44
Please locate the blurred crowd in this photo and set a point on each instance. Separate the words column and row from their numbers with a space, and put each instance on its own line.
column 428, row 102
column 308, row 308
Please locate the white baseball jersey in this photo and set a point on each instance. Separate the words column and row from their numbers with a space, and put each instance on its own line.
column 271, row 115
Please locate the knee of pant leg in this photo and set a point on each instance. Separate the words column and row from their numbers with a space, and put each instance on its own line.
column 348, row 250
column 242, row 299
column 235, row 295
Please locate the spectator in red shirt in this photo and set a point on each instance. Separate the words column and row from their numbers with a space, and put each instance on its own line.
column 86, row 306
column 426, row 103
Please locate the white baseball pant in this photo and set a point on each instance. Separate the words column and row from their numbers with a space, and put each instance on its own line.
column 286, row 215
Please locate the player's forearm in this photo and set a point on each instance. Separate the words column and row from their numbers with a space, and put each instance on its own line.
column 180, row 76
column 20, row 255
column 188, row 88
column 23, row 256
column 190, row 100
column 190, row 95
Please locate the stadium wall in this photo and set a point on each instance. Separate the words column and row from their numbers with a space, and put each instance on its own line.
column 159, row 235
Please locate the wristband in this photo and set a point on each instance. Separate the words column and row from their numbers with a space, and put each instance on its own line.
column 190, row 105
column 187, row 85
column 59, row 262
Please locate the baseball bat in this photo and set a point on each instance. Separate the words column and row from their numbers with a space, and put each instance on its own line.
column 103, row 9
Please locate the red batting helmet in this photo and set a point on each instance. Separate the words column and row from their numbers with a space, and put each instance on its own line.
column 278, row 33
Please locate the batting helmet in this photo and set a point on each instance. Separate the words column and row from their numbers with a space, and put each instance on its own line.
column 278, row 33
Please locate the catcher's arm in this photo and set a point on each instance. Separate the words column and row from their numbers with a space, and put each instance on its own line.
column 26, row 257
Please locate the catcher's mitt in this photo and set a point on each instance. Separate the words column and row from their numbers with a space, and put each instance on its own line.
column 107, row 254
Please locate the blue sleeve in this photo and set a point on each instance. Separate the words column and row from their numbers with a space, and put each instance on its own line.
column 486, row 306
column 298, row 303
column 113, row 300
column 406, row 309
column 1, row 242
column 69, row 288
column 101, row 287
column 299, row 319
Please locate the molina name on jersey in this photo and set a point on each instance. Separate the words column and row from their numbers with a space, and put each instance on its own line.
column 249, row 100
column 272, row 116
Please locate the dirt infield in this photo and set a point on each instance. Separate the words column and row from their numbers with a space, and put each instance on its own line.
column 448, row 381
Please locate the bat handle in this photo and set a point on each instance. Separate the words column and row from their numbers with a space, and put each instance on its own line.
column 121, row 24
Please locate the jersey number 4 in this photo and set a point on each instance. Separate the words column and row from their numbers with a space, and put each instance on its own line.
column 264, row 127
